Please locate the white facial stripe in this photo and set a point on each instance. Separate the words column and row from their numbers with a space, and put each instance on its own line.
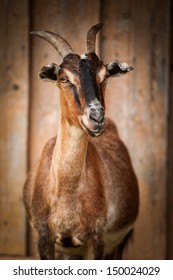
column 83, row 56
column 70, row 75
column 94, row 103
column 102, row 73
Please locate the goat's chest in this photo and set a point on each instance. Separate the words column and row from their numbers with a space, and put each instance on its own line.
column 64, row 212
column 65, row 221
column 73, row 218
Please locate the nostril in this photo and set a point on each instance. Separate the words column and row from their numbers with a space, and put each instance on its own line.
column 93, row 118
column 97, row 119
column 92, row 110
column 97, row 115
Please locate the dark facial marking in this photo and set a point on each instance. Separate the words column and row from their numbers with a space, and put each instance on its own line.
column 85, row 69
column 88, row 80
column 75, row 94
column 71, row 63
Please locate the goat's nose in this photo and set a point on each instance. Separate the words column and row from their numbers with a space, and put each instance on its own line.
column 97, row 114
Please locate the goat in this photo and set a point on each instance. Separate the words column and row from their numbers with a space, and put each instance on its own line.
column 82, row 199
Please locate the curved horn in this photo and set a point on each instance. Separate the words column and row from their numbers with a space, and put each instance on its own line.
column 91, row 37
column 58, row 42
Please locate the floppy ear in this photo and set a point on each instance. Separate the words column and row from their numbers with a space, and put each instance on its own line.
column 117, row 68
column 49, row 73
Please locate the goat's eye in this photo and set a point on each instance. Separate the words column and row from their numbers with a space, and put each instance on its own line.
column 63, row 80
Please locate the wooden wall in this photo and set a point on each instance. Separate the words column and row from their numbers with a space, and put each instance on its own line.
column 170, row 151
column 134, row 31
column 14, row 84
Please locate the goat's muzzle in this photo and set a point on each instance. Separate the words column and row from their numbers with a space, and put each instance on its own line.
column 93, row 121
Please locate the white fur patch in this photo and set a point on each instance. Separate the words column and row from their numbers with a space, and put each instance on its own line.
column 102, row 73
column 70, row 75
column 94, row 103
column 84, row 56
column 123, row 65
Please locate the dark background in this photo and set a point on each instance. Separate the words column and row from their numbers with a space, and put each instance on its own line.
column 141, row 104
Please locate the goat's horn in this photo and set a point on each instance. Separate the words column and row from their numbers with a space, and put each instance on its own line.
column 91, row 37
column 59, row 43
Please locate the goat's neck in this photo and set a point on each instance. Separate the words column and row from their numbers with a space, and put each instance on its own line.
column 68, row 161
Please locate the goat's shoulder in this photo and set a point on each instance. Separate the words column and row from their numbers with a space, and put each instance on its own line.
column 38, row 175
column 40, row 184
column 119, row 177
column 42, row 171
column 46, row 156
column 48, row 148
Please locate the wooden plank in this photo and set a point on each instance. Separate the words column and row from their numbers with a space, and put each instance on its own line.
column 13, row 123
column 170, row 152
column 70, row 20
column 137, row 33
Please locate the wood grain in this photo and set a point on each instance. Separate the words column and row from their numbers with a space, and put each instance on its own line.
column 170, row 152
column 13, row 123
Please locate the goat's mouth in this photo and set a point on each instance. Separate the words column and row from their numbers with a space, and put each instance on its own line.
column 91, row 127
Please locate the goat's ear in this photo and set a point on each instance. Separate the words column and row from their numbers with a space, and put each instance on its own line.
column 117, row 68
column 49, row 73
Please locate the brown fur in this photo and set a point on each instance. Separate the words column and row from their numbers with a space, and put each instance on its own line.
column 80, row 206
column 82, row 198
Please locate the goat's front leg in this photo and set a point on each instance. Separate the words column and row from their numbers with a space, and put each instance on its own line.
column 46, row 248
column 94, row 249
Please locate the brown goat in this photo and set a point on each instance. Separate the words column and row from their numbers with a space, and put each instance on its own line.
column 82, row 198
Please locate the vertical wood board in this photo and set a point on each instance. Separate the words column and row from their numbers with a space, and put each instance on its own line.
column 170, row 152
column 13, row 123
